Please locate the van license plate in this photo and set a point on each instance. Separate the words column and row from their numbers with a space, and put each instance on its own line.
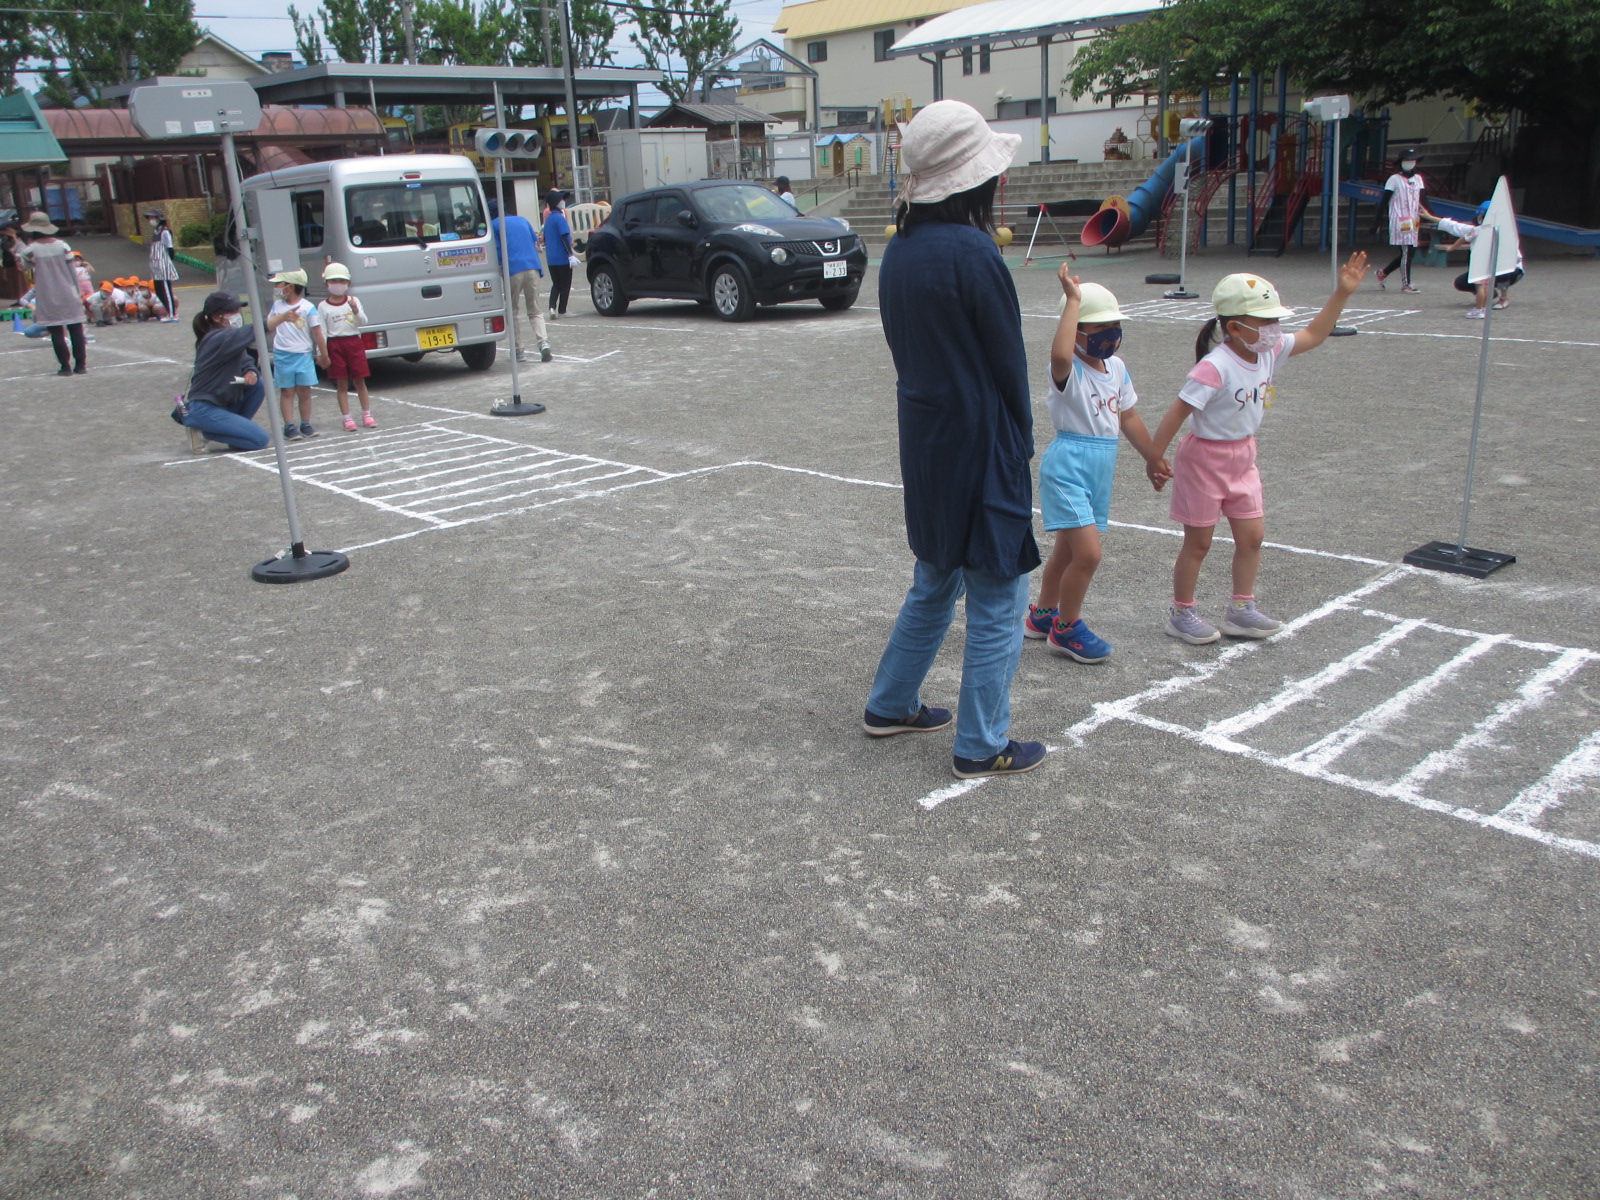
column 835, row 269
column 436, row 338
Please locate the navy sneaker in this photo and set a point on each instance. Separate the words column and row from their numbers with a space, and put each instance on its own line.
column 1016, row 758
column 1077, row 642
column 291, row 431
column 924, row 720
column 1038, row 622
column 306, row 431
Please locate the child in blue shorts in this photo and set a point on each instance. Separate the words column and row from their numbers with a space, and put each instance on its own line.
column 297, row 347
column 1091, row 401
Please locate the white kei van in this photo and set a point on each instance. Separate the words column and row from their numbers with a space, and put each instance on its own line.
column 414, row 231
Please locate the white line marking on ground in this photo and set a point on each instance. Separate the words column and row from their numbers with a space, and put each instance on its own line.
column 1324, row 750
column 1531, row 803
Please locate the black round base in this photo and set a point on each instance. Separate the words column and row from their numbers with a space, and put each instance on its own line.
column 1180, row 294
column 1342, row 331
column 1163, row 278
column 318, row 564
column 516, row 410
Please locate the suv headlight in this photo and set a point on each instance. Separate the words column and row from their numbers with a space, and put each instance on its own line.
column 758, row 230
column 779, row 255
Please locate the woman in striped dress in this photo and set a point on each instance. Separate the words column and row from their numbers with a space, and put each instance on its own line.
column 163, row 271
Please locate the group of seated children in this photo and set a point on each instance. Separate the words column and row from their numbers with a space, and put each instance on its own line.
column 124, row 299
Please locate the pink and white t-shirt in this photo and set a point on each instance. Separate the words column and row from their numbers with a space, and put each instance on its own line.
column 1405, row 207
column 1231, row 394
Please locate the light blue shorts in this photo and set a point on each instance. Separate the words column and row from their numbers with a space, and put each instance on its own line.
column 1075, row 481
column 293, row 370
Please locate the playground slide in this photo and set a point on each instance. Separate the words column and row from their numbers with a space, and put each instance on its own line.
column 1115, row 224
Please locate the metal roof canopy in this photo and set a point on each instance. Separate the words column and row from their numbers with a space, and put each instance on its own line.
column 389, row 84
column 25, row 138
column 1019, row 22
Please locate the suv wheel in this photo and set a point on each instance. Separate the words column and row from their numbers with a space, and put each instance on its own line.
column 732, row 298
column 840, row 301
column 605, row 292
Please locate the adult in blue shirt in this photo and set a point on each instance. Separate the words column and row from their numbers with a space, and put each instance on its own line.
column 954, row 326
column 522, row 249
column 558, row 252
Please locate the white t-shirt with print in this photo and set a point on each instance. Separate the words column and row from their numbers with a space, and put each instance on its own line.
column 294, row 337
column 1231, row 394
column 341, row 320
column 1092, row 401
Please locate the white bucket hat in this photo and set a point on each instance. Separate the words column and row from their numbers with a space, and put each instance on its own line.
column 947, row 148
column 39, row 223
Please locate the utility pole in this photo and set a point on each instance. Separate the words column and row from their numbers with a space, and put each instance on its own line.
column 408, row 23
column 580, row 185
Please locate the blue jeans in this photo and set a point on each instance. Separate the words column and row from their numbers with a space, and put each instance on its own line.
column 995, row 605
column 234, row 429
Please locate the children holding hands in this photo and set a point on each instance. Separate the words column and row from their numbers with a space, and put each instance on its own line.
column 1091, row 399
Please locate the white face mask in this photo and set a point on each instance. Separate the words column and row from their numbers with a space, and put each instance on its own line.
column 338, row 289
column 1268, row 338
column 235, row 320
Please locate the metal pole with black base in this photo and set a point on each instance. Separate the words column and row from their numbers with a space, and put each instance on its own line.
column 299, row 565
column 225, row 107
column 1188, row 129
column 496, row 144
column 1457, row 557
column 1331, row 110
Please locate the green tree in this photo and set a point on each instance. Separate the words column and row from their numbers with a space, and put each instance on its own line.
column 20, row 43
column 465, row 33
column 355, row 30
column 1538, row 57
column 693, row 33
column 118, row 41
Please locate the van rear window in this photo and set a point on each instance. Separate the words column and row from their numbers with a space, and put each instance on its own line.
column 398, row 214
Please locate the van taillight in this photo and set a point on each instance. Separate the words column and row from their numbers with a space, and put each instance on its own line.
column 375, row 341
column 494, row 324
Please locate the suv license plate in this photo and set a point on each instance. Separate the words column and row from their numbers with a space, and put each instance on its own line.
column 437, row 338
column 835, row 269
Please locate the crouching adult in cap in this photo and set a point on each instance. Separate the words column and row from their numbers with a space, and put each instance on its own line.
column 225, row 387
column 954, row 326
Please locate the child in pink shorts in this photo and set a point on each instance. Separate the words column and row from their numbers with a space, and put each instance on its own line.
column 1214, row 470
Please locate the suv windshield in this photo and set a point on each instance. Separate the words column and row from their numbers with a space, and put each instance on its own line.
column 394, row 214
column 738, row 202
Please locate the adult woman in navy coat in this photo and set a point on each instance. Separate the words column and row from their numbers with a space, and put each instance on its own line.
column 953, row 324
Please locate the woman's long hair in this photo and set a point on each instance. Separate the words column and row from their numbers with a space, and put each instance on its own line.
column 975, row 207
column 201, row 325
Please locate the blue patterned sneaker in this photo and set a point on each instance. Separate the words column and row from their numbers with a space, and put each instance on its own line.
column 1076, row 642
column 306, row 431
column 1037, row 623
column 924, row 720
column 1244, row 619
column 1016, row 758
column 291, row 431
column 1185, row 624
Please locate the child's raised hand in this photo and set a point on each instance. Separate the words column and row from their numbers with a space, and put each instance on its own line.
column 1069, row 283
column 1353, row 272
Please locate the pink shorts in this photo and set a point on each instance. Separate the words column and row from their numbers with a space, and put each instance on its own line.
column 1215, row 479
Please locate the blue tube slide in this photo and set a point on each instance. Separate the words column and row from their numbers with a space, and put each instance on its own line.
column 1111, row 226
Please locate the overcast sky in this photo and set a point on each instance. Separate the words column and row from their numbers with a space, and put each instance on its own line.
column 240, row 23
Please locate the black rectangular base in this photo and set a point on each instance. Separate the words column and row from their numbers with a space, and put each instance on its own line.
column 1445, row 556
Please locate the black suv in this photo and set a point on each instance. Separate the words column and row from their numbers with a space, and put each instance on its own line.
column 727, row 244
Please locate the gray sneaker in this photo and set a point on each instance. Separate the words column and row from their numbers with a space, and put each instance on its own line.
column 1186, row 625
column 544, row 352
column 1244, row 619
column 522, row 356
